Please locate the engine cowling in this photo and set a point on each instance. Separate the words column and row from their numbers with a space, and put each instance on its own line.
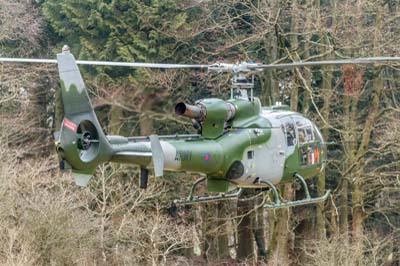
column 212, row 114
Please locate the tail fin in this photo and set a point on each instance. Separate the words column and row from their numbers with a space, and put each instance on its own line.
column 157, row 155
column 81, row 143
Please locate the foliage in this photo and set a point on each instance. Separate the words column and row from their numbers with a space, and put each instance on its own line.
column 118, row 30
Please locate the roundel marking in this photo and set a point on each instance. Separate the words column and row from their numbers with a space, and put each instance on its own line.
column 206, row 156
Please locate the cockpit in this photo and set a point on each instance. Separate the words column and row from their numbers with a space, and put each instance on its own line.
column 302, row 132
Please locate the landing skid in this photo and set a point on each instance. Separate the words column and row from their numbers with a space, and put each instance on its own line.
column 235, row 195
column 308, row 199
column 197, row 199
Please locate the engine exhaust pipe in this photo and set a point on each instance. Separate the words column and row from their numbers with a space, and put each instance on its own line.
column 191, row 111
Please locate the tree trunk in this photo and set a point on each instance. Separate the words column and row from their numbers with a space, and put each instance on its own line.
column 281, row 238
column 146, row 124
column 215, row 231
column 245, row 232
column 222, row 209
column 344, row 200
column 344, row 209
column 373, row 111
column 294, row 44
column 259, row 233
column 357, row 192
column 269, row 85
column 327, row 78
column 116, row 115
column 271, row 43
column 210, row 246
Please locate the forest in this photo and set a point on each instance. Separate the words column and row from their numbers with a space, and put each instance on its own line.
column 45, row 219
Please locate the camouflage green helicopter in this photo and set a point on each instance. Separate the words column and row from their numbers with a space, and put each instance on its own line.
column 240, row 143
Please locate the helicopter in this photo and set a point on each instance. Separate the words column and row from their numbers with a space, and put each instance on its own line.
column 240, row 144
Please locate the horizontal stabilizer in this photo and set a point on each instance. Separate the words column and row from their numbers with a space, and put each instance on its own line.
column 157, row 155
column 81, row 179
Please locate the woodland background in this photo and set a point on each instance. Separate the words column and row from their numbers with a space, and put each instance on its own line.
column 45, row 219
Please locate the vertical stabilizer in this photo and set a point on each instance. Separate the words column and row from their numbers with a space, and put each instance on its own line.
column 81, row 142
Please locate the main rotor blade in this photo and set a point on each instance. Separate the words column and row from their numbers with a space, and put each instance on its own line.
column 104, row 63
column 217, row 66
column 362, row 60
column 133, row 64
column 28, row 60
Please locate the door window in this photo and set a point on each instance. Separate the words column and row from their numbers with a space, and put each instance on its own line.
column 309, row 152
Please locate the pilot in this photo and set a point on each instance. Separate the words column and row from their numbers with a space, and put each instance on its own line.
column 302, row 137
column 290, row 137
column 290, row 134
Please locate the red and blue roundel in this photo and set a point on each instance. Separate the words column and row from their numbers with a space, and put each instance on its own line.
column 206, row 157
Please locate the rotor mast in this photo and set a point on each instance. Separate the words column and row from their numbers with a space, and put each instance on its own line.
column 239, row 81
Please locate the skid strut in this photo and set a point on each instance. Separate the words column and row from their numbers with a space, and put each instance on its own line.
column 196, row 199
column 278, row 203
column 308, row 199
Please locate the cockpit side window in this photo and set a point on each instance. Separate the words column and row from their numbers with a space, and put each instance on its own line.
column 305, row 130
column 317, row 133
column 288, row 128
column 309, row 134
